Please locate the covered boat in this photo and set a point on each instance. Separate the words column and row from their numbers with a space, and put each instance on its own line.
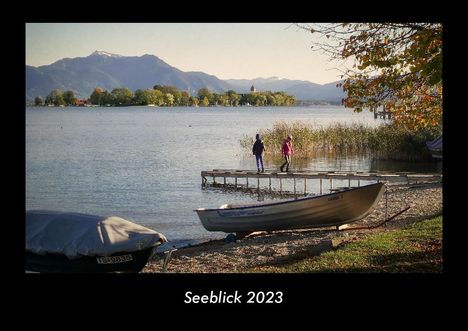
column 435, row 147
column 73, row 242
column 332, row 209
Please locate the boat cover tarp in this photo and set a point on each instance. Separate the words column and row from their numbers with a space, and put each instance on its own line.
column 76, row 234
column 435, row 144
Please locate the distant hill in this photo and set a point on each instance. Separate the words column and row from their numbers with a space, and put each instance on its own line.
column 109, row 71
column 102, row 69
column 302, row 90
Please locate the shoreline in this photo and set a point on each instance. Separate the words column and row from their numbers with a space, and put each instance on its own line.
column 279, row 247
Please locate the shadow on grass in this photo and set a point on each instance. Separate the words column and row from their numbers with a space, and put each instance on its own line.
column 417, row 262
column 428, row 259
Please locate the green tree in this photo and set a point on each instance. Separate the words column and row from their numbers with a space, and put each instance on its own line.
column 99, row 97
column 38, row 101
column 141, row 97
column 205, row 93
column 246, row 99
column 185, row 99
column 214, row 99
column 204, row 102
column 396, row 65
column 69, row 98
column 168, row 99
column 193, row 101
column 121, row 96
column 55, row 98
column 258, row 99
column 176, row 94
column 234, row 98
column 157, row 98
column 223, row 100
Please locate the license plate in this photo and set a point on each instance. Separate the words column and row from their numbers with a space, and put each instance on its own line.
column 114, row 259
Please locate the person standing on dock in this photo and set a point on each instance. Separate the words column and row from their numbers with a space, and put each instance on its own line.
column 287, row 150
column 257, row 150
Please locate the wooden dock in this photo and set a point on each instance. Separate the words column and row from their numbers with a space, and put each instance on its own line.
column 321, row 176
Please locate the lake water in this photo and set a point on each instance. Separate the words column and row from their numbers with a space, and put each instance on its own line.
column 144, row 163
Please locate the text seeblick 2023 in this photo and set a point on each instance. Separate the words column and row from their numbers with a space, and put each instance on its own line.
column 223, row 297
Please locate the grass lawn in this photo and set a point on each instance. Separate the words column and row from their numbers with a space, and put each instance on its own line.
column 416, row 248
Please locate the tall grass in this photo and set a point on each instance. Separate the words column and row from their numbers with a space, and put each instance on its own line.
column 383, row 142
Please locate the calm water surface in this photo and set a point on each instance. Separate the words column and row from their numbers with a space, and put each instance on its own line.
column 144, row 163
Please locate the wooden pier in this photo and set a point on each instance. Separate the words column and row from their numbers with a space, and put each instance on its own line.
column 322, row 176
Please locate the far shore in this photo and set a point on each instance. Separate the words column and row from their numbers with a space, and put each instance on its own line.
column 302, row 103
column 280, row 247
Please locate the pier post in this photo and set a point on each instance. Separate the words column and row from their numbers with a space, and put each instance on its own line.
column 331, row 184
column 294, row 186
column 224, row 182
column 321, row 186
column 281, row 186
column 349, row 182
column 247, row 182
column 258, row 183
column 269, row 184
column 235, row 182
column 305, row 186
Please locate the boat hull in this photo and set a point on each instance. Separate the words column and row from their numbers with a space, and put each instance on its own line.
column 58, row 263
column 435, row 147
column 320, row 211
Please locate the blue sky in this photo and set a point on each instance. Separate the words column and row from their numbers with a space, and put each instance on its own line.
column 226, row 50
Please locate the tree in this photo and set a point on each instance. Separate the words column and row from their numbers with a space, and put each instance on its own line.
column 205, row 93
column 204, row 102
column 193, row 101
column 234, row 98
column 122, row 96
column 99, row 96
column 55, row 98
column 69, row 98
column 38, row 101
column 157, row 97
column 185, row 99
column 176, row 94
column 396, row 65
column 168, row 99
column 141, row 97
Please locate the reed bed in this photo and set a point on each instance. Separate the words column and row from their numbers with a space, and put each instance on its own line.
column 387, row 141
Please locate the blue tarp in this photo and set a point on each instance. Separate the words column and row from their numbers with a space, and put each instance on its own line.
column 435, row 144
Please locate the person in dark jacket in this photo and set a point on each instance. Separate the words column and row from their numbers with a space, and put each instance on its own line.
column 257, row 150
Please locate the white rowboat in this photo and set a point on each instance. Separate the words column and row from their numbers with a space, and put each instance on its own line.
column 332, row 209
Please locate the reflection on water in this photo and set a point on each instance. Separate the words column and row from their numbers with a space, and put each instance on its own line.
column 400, row 166
column 345, row 163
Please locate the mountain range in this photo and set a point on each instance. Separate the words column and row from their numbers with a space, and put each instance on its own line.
column 109, row 71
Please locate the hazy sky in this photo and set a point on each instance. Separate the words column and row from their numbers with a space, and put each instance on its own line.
column 226, row 50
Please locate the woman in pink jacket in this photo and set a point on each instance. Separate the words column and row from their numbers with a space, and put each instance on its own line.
column 287, row 150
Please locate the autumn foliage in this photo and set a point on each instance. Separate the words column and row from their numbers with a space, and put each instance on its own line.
column 395, row 65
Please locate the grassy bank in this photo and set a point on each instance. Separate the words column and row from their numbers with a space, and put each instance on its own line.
column 383, row 142
column 416, row 248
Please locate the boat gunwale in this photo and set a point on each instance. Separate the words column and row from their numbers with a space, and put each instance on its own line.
column 289, row 201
